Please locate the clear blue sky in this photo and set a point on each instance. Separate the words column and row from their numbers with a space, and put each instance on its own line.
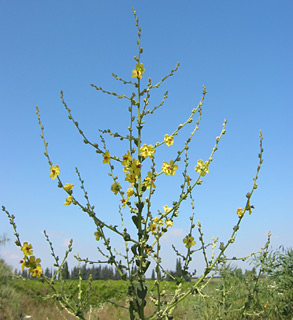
column 241, row 50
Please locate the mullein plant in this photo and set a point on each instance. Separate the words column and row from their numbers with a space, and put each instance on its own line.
column 135, row 191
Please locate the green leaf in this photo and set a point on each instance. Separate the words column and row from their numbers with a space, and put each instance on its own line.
column 139, row 206
column 133, row 249
column 135, row 221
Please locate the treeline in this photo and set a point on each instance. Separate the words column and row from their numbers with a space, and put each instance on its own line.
column 105, row 272
column 97, row 273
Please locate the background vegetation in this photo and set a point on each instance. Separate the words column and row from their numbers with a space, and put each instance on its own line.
column 265, row 292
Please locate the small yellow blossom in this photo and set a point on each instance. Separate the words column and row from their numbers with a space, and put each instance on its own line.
column 126, row 159
column 37, row 271
column 153, row 228
column 147, row 151
column 158, row 221
column 240, row 212
column 188, row 240
column 136, row 167
column 55, row 170
column 169, row 140
column 97, row 235
column 149, row 180
column 202, row 168
column 23, row 263
column 124, row 201
column 169, row 168
column 188, row 179
column 34, row 262
column 166, row 209
column 138, row 71
column 115, row 187
column 27, row 249
column 68, row 186
column 34, row 266
column 169, row 223
column 129, row 192
column 106, row 157
column 131, row 178
column 68, row 200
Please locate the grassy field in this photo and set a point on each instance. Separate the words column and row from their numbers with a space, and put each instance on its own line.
column 220, row 299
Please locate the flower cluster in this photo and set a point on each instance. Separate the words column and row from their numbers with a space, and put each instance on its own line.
column 138, row 71
column 69, row 199
column 157, row 223
column 29, row 261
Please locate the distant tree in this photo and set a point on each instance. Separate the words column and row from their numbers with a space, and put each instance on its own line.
column 107, row 273
column 178, row 272
column 84, row 273
column 117, row 275
column 153, row 275
column 48, row 273
column 170, row 276
column 25, row 274
column 74, row 273
column 65, row 272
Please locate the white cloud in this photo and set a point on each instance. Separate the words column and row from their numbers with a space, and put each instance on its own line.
column 172, row 235
column 65, row 242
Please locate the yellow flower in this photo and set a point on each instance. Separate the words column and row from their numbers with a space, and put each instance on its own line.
column 138, row 71
column 126, row 159
column 240, row 212
column 115, row 187
column 147, row 151
column 124, row 201
column 27, row 249
column 188, row 179
column 166, row 209
column 34, row 262
column 23, row 263
column 130, row 178
column 68, row 186
column 136, row 167
column 158, row 221
column 149, row 180
column 98, row 235
column 68, row 200
column 202, row 168
column 54, row 172
column 153, row 228
column 169, row 140
column 106, row 157
column 169, row 223
column 35, row 266
column 129, row 192
column 169, row 168
column 188, row 240
column 37, row 271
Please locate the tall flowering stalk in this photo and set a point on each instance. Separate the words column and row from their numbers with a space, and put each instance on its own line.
column 134, row 189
